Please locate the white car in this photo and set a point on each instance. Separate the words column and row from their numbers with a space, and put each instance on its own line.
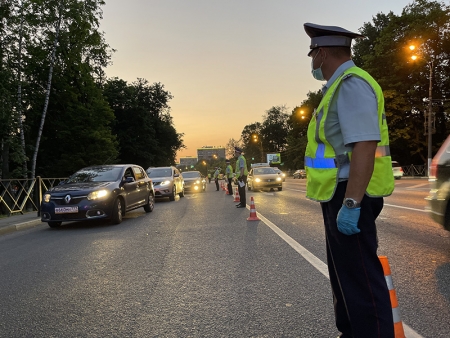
column 167, row 181
column 397, row 170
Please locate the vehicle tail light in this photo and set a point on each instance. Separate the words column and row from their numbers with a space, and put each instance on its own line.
column 433, row 168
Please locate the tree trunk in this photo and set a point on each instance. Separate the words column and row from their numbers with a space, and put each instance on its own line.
column 47, row 96
column 19, row 98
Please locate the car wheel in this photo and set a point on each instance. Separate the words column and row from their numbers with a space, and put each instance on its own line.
column 117, row 213
column 174, row 193
column 182, row 192
column 280, row 188
column 54, row 224
column 150, row 203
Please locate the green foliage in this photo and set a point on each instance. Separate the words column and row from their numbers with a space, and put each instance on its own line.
column 143, row 125
column 405, row 83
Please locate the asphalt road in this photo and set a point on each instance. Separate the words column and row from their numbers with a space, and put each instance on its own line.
column 196, row 267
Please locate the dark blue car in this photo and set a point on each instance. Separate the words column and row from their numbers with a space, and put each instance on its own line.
column 106, row 191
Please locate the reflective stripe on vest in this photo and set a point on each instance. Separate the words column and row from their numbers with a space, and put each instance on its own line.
column 321, row 162
column 324, row 163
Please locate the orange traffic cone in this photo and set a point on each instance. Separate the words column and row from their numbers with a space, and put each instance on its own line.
column 398, row 325
column 236, row 196
column 224, row 187
column 253, row 216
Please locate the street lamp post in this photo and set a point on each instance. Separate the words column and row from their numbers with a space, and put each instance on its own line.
column 257, row 139
column 429, row 126
column 206, row 164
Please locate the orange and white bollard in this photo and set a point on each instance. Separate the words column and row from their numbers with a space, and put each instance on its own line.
column 253, row 216
column 236, row 196
column 398, row 325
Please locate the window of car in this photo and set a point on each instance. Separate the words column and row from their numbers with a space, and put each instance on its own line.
column 191, row 174
column 100, row 174
column 264, row 171
column 138, row 173
column 159, row 172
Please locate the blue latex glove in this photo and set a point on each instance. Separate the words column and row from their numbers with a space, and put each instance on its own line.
column 347, row 220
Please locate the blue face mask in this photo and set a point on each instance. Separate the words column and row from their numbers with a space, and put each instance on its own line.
column 317, row 73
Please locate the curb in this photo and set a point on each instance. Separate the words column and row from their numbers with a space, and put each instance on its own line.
column 20, row 226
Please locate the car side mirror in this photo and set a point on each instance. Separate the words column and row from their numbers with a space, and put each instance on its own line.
column 129, row 179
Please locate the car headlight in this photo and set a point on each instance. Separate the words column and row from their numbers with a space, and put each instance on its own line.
column 95, row 195
column 278, row 178
column 164, row 183
column 197, row 182
column 47, row 198
column 257, row 180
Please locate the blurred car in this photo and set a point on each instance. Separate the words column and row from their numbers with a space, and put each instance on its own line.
column 194, row 181
column 439, row 178
column 301, row 173
column 397, row 170
column 167, row 181
column 264, row 177
column 282, row 174
column 96, row 192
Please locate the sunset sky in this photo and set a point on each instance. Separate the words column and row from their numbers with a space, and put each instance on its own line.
column 225, row 62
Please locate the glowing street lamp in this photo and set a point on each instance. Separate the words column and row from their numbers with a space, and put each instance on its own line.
column 256, row 139
column 430, row 106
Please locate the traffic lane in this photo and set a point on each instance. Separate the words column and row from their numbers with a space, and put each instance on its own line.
column 265, row 278
column 408, row 243
column 192, row 267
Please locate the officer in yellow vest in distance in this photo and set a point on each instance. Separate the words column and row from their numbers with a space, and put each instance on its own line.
column 229, row 177
column 209, row 177
column 348, row 166
column 216, row 178
column 241, row 174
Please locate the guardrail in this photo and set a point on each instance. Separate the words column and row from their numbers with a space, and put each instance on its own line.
column 24, row 195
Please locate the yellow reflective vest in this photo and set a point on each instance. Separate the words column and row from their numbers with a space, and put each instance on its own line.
column 230, row 171
column 322, row 164
column 238, row 169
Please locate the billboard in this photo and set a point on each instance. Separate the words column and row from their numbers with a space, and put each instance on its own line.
column 274, row 158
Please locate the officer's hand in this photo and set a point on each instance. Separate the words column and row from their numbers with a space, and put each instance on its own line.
column 347, row 220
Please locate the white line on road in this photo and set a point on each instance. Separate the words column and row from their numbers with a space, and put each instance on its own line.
column 317, row 263
column 400, row 207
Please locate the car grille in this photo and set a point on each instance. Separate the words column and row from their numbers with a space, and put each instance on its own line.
column 73, row 200
column 156, row 183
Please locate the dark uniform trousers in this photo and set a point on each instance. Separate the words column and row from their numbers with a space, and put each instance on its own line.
column 241, row 191
column 216, row 180
column 230, row 188
column 361, row 297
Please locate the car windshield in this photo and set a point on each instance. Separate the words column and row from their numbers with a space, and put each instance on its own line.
column 103, row 174
column 190, row 174
column 264, row 171
column 166, row 172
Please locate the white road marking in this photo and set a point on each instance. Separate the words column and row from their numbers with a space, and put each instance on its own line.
column 407, row 208
column 317, row 263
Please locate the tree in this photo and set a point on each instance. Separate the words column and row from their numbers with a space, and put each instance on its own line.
column 405, row 84
column 143, row 124
column 297, row 135
column 274, row 129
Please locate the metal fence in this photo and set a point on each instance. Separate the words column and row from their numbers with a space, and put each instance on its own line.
column 415, row 170
column 24, row 195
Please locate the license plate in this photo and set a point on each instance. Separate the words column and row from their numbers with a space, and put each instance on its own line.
column 66, row 210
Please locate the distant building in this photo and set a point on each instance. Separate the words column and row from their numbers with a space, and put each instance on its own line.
column 188, row 161
column 210, row 152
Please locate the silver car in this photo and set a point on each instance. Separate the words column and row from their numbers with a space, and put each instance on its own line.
column 167, row 182
column 397, row 170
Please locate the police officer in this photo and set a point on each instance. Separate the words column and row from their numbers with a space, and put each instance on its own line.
column 349, row 171
column 216, row 178
column 241, row 173
column 209, row 177
column 229, row 176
